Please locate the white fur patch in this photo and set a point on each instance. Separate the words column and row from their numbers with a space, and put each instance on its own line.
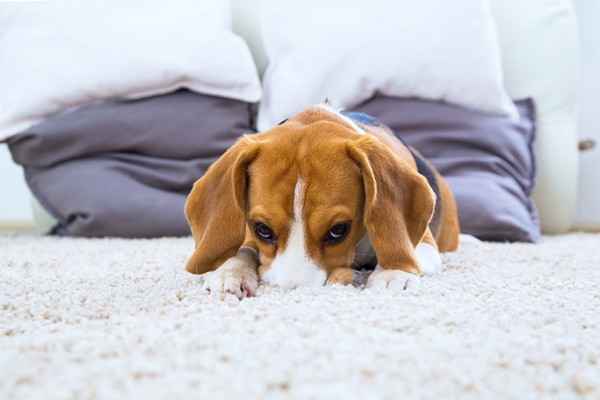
column 337, row 111
column 293, row 267
column 429, row 259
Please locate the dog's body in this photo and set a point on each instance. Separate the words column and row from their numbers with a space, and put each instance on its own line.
column 311, row 200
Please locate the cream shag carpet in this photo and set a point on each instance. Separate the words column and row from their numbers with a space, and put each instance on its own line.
column 121, row 319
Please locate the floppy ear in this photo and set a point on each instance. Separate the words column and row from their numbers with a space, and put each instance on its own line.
column 215, row 208
column 398, row 203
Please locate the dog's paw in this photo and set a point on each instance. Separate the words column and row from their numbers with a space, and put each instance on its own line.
column 429, row 259
column 233, row 277
column 393, row 279
column 342, row 276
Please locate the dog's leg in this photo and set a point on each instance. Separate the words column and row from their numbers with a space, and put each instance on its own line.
column 429, row 259
column 343, row 276
column 428, row 254
column 238, row 275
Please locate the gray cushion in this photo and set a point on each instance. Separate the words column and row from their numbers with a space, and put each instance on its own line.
column 487, row 160
column 124, row 168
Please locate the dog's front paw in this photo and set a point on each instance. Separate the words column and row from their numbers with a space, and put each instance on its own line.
column 233, row 277
column 393, row 279
column 342, row 276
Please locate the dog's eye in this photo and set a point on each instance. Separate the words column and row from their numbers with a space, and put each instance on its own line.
column 263, row 232
column 337, row 233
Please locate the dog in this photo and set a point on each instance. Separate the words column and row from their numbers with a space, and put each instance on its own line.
column 315, row 199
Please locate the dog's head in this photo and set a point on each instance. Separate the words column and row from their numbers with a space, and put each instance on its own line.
column 304, row 194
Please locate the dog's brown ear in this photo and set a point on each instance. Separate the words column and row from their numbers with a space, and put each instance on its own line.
column 215, row 208
column 398, row 203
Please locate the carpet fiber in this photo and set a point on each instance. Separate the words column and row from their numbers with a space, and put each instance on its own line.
column 121, row 319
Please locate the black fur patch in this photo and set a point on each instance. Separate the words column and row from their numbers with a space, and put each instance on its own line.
column 426, row 171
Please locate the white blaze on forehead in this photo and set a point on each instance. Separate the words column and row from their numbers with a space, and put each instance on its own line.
column 337, row 112
column 293, row 267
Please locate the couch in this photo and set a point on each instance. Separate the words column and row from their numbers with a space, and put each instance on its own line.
column 507, row 144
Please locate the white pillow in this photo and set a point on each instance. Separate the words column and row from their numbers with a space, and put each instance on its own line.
column 56, row 55
column 351, row 50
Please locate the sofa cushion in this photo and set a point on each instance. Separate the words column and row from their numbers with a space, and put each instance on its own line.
column 486, row 159
column 349, row 51
column 59, row 55
column 125, row 167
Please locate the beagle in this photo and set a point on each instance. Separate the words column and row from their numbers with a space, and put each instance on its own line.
column 315, row 199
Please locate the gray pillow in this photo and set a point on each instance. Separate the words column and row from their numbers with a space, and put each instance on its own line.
column 487, row 160
column 124, row 168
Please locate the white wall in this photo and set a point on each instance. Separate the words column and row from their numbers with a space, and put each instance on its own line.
column 15, row 203
column 588, row 207
column 14, row 195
